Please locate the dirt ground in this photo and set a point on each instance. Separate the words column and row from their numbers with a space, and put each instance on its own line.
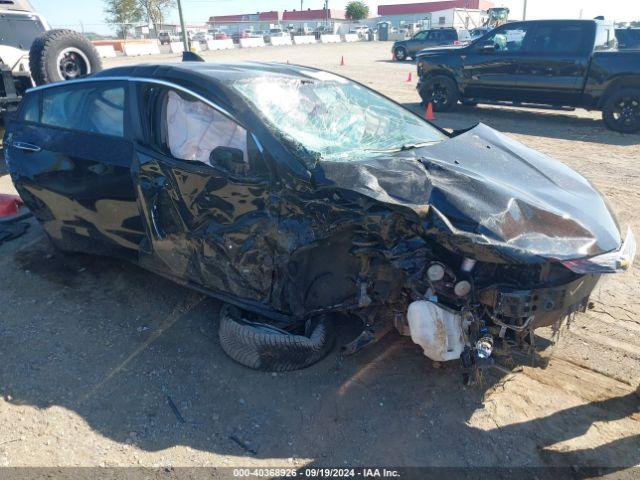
column 104, row 364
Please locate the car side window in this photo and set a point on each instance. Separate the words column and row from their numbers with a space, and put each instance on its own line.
column 420, row 36
column 181, row 126
column 560, row 38
column 195, row 130
column 93, row 107
column 605, row 38
column 508, row 39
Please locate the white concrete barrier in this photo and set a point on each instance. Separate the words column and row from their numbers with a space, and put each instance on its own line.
column 330, row 39
column 251, row 42
column 220, row 44
column 351, row 37
column 106, row 51
column 303, row 39
column 176, row 47
column 137, row 49
column 277, row 41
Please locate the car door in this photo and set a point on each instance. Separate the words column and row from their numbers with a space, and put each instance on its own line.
column 491, row 64
column 555, row 62
column 204, row 193
column 70, row 158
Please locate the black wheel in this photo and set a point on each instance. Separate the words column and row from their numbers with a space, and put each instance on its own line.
column 621, row 110
column 400, row 53
column 60, row 55
column 264, row 347
column 441, row 92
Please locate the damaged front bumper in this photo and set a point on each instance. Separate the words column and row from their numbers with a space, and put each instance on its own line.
column 448, row 334
column 520, row 309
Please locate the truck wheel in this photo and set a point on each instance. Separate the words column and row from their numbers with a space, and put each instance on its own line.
column 264, row 347
column 442, row 92
column 400, row 54
column 621, row 110
column 60, row 55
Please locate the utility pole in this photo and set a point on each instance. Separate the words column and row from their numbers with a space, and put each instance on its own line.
column 185, row 39
column 326, row 12
column 524, row 10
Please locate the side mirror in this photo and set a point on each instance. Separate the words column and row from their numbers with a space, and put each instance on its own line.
column 228, row 158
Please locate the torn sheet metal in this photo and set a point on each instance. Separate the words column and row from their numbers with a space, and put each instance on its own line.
column 486, row 195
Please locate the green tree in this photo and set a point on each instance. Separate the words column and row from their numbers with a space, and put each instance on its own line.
column 156, row 10
column 121, row 14
column 357, row 10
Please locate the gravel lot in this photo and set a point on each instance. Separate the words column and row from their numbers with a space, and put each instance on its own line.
column 94, row 351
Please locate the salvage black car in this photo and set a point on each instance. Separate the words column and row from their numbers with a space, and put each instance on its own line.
column 300, row 198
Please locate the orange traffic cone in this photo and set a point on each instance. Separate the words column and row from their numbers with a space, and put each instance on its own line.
column 342, row 61
column 429, row 115
column 409, row 77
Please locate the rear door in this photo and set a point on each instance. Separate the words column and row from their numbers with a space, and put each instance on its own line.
column 554, row 63
column 438, row 38
column 70, row 158
column 204, row 193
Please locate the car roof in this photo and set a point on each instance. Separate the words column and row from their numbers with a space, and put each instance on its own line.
column 217, row 72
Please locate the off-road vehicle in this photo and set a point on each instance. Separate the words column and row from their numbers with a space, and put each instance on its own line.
column 31, row 53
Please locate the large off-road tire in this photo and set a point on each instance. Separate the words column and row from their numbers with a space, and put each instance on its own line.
column 60, row 55
column 262, row 347
column 621, row 110
column 442, row 92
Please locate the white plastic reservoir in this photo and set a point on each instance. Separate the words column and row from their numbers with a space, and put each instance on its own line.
column 437, row 330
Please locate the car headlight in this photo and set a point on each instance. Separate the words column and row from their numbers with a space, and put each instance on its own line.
column 612, row 262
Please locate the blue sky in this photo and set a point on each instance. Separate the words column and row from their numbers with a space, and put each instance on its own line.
column 90, row 13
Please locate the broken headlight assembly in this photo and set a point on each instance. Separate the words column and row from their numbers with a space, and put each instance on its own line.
column 612, row 262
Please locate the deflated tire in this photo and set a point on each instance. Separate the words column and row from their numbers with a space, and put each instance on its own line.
column 263, row 347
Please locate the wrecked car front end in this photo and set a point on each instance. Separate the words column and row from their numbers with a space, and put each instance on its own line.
column 505, row 239
column 455, row 241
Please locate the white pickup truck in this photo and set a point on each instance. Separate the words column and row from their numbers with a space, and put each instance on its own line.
column 31, row 53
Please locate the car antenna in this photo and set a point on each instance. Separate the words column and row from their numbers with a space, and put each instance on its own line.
column 191, row 57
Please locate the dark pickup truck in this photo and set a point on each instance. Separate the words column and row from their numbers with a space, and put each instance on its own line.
column 558, row 63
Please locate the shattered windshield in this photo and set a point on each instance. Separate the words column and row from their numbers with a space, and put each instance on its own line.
column 334, row 119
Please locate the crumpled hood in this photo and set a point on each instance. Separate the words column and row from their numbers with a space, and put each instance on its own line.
column 483, row 194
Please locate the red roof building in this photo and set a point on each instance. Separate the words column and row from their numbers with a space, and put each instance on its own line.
column 428, row 7
column 310, row 15
column 287, row 16
column 271, row 16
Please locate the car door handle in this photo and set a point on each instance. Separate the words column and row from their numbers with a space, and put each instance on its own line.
column 27, row 147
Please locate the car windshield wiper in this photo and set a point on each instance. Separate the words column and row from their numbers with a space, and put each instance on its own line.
column 403, row 148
